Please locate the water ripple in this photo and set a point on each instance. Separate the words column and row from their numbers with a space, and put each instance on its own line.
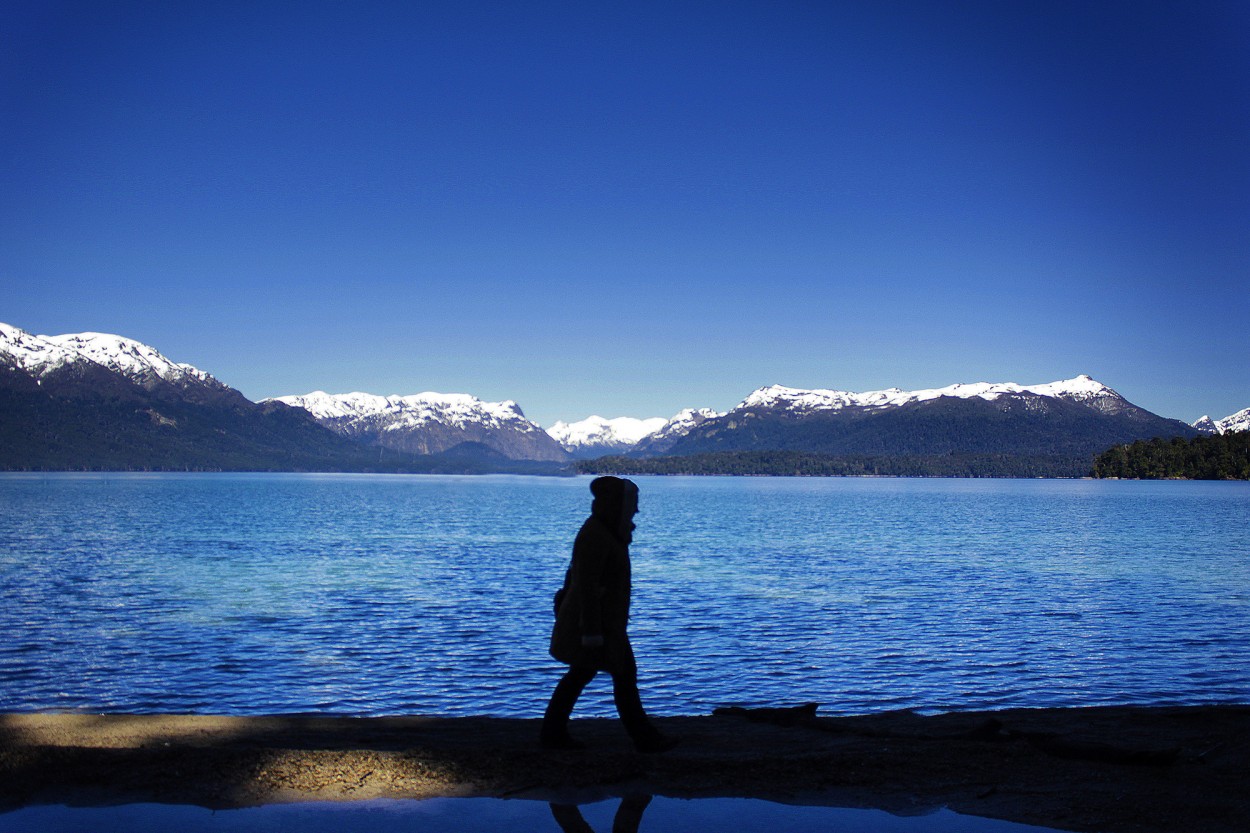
column 383, row 595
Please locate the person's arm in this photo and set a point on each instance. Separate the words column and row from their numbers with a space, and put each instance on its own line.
column 592, row 563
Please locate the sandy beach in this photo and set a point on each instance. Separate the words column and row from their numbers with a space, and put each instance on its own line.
column 1115, row 769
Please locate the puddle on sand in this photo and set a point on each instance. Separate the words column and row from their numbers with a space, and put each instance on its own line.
column 637, row 814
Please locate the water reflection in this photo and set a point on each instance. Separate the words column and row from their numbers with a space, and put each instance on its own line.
column 628, row 816
column 491, row 815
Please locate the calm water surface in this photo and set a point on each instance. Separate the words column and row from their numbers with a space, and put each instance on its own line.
column 362, row 594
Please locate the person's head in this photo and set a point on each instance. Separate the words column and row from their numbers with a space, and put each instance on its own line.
column 615, row 503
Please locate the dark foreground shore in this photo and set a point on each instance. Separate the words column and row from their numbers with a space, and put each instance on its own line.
column 1115, row 769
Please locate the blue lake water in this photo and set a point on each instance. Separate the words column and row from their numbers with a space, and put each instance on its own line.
column 372, row 595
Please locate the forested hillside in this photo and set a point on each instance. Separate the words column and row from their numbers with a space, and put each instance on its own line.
column 806, row 464
column 1220, row 457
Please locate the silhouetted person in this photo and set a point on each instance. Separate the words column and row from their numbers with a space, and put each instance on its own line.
column 628, row 816
column 592, row 613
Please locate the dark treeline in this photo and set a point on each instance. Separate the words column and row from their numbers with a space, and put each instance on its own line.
column 805, row 464
column 1219, row 457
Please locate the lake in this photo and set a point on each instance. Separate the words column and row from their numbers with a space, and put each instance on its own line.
column 376, row 595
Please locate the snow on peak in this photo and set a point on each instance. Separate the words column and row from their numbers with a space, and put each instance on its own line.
column 324, row 405
column 1081, row 388
column 779, row 396
column 691, row 416
column 683, row 422
column 1233, row 423
column 34, row 354
column 128, row 357
column 458, row 409
column 599, row 432
column 136, row 361
column 1205, row 425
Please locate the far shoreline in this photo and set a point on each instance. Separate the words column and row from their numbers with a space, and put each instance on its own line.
column 576, row 474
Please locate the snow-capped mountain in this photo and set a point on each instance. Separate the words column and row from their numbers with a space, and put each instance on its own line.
column 677, row 427
column 430, row 423
column 93, row 400
column 44, row 356
column 596, row 436
column 459, row 409
column 1072, row 419
column 40, row 355
column 1232, row 423
column 35, row 355
column 98, row 401
column 1205, row 425
column 1081, row 389
column 132, row 359
column 1239, row 421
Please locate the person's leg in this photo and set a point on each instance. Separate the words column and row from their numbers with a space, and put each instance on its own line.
column 570, row 818
column 624, row 672
column 629, row 706
column 555, row 731
column 629, row 815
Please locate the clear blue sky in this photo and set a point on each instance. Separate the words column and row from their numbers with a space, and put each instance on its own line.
column 630, row 208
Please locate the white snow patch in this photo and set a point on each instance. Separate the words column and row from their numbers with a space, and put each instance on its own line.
column 597, row 431
column 683, row 422
column 413, row 410
column 1206, row 425
column 1080, row 388
column 34, row 354
column 1233, row 423
column 128, row 357
column 41, row 354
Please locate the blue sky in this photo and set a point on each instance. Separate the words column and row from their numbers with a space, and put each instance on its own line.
column 630, row 208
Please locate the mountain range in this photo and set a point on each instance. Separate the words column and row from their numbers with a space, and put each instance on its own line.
column 596, row 436
column 99, row 401
column 430, row 423
column 1076, row 416
column 1231, row 424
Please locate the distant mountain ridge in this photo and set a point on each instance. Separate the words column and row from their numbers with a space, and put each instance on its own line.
column 1231, row 424
column 430, row 423
column 43, row 357
column 681, row 424
column 596, row 436
column 1080, row 389
column 1071, row 419
column 93, row 400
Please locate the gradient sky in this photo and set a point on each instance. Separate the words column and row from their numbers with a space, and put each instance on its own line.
column 631, row 208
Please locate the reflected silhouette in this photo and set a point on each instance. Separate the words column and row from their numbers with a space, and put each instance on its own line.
column 592, row 616
column 628, row 816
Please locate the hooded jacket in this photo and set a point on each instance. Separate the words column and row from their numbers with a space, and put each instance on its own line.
column 596, row 593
